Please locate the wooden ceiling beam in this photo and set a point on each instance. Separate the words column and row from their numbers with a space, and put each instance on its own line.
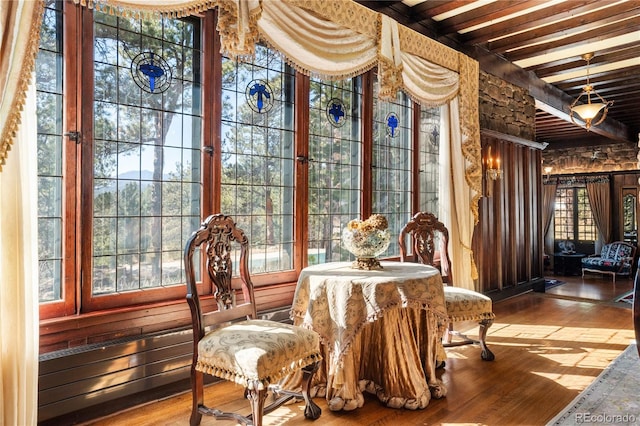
column 437, row 7
column 595, row 21
column 378, row 5
column 480, row 15
column 550, row 98
column 612, row 79
column 614, row 54
column 527, row 21
column 404, row 15
column 575, row 40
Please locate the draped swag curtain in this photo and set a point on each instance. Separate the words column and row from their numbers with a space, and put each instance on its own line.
column 599, row 200
column 19, row 37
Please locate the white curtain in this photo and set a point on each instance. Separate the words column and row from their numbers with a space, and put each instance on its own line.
column 455, row 199
column 314, row 45
column 19, row 330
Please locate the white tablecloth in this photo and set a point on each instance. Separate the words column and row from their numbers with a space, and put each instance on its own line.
column 381, row 331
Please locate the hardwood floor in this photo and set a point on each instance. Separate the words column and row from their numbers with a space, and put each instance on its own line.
column 548, row 346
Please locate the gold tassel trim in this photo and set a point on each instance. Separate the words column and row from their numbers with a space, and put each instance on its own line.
column 14, row 120
column 258, row 383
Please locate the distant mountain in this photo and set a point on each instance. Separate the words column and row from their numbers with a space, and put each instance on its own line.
column 145, row 176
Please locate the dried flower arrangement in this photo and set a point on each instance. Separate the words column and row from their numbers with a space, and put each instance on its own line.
column 366, row 240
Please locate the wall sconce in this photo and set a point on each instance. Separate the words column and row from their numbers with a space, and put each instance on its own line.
column 492, row 166
column 493, row 172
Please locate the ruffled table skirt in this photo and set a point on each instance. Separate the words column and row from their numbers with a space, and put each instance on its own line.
column 380, row 332
column 393, row 358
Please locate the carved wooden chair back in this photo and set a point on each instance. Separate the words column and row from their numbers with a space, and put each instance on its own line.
column 430, row 239
column 228, row 340
column 220, row 239
column 429, row 243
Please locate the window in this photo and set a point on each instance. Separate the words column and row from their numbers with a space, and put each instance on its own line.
column 117, row 204
column 392, row 163
column 139, row 174
column 335, row 165
column 49, row 89
column 573, row 219
column 258, row 156
column 429, row 159
column 146, row 145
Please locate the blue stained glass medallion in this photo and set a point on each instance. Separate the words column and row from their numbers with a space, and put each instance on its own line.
column 151, row 72
column 336, row 112
column 259, row 96
column 392, row 124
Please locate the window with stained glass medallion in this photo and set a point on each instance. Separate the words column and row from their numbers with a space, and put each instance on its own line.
column 335, row 165
column 146, row 162
column 257, row 153
column 392, row 163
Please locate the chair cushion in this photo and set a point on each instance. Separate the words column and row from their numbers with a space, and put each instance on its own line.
column 467, row 305
column 257, row 353
column 600, row 263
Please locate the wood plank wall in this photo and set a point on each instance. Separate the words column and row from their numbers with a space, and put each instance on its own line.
column 507, row 242
column 621, row 181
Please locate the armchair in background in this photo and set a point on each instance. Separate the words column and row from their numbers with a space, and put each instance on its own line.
column 615, row 258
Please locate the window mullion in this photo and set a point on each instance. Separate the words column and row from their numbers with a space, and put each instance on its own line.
column 302, row 172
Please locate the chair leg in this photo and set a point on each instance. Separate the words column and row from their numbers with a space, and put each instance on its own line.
column 446, row 339
column 311, row 409
column 197, row 391
column 486, row 354
column 256, row 397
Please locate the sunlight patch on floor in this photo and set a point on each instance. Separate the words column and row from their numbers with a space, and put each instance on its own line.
column 523, row 331
column 568, row 381
column 456, row 353
column 583, row 357
column 573, row 334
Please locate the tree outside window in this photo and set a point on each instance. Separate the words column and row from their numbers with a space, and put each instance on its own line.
column 573, row 220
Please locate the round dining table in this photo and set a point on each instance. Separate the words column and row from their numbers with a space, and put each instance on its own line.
column 381, row 332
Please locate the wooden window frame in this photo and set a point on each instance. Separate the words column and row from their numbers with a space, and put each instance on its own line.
column 68, row 323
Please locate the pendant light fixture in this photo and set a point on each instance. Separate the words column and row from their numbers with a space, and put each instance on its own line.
column 592, row 113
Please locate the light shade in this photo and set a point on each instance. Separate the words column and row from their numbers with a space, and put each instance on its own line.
column 588, row 111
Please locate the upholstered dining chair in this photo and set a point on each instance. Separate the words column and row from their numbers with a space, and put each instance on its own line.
column 229, row 342
column 429, row 240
